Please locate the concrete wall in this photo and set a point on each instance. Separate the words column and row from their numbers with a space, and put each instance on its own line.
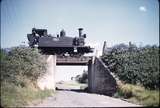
column 48, row 80
column 100, row 79
column 91, row 75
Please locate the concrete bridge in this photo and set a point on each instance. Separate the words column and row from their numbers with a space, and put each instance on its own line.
column 100, row 79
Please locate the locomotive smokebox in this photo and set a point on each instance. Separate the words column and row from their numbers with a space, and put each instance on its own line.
column 80, row 32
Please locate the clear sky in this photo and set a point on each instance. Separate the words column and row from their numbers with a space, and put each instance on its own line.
column 116, row 21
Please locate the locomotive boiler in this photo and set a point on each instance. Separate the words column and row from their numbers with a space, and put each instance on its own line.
column 60, row 44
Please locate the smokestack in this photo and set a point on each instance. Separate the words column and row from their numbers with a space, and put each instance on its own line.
column 80, row 32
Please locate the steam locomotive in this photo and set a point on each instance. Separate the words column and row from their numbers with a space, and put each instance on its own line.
column 60, row 44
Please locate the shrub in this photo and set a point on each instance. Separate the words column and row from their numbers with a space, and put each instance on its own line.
column 22, row 64
column 82, row 78
column 20, row 69
column 135, row 65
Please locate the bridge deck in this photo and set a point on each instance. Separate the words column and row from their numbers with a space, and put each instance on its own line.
column 73, row 60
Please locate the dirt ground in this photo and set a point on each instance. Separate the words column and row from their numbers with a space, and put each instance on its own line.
column 70, row 95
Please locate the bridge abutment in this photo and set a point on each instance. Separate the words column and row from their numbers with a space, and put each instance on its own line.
column 100, row 79
column 48, row 80
column 91, row 75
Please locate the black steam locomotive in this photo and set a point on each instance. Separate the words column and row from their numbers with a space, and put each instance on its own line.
column 60, row 45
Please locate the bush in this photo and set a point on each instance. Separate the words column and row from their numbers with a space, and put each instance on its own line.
column 135, row 65
column 21, row 64
column 82, row 78
column 20, row 69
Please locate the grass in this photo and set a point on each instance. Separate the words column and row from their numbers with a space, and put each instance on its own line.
column 17, row 96
column 138, row 95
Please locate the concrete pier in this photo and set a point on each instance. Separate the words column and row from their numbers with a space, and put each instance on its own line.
column 48, row 80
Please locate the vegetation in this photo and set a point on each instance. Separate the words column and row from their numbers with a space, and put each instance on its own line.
column 138, row 95
column 135, row 65
column 22, row 63
column 20, row 69
column 82, row 78
column 139, row 68
column 18, row 96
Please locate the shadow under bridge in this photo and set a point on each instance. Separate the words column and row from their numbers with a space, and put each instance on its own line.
column 67, row 60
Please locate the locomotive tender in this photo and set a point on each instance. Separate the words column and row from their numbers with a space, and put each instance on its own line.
column 59, row 45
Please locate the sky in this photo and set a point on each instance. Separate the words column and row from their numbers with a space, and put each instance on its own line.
column 64, row 73
column 113, row 21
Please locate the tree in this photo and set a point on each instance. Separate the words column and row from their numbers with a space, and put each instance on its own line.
column 82, row 78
